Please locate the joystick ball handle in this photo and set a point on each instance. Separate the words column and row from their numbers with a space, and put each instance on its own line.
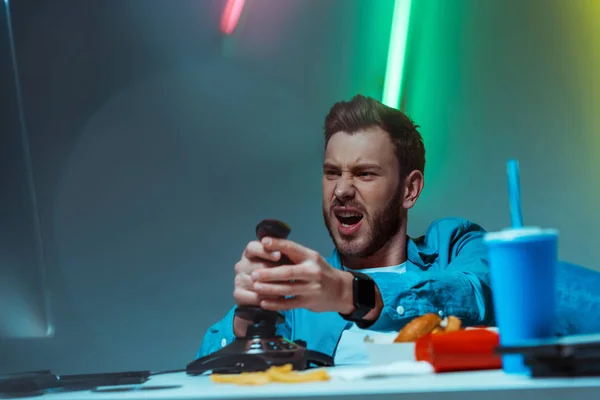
column 275, row 229
column 272, row 228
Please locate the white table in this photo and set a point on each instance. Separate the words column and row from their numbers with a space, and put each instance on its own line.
column 479, row 385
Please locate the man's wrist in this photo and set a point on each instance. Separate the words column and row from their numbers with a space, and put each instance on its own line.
column 373, row 315
column 346, row 305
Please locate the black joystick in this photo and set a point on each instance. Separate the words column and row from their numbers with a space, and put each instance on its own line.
column 265, row 321
column 260, row 348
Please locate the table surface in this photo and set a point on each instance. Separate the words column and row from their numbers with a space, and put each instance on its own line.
column 481, row 385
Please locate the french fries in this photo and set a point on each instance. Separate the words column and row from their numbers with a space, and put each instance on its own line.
column 281, row 374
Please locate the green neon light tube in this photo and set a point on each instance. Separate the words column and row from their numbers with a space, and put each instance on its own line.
column 392, row 87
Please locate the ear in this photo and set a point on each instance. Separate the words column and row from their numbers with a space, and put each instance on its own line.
column 413, row 185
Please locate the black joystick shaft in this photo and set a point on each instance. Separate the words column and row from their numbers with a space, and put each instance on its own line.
column 257, row 315
column 264, row 322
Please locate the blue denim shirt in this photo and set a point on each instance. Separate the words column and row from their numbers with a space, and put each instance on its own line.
column 446, row 273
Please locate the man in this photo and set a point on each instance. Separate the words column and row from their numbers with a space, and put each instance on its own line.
column 377, row 279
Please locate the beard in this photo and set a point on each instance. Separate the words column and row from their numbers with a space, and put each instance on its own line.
column 383, row 223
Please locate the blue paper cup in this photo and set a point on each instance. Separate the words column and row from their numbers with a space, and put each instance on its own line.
column 522, row 272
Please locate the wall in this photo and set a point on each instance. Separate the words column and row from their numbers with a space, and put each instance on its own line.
column 489, row 81
column 157, row 146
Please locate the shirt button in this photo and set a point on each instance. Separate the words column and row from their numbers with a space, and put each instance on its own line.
column 223, row 342
column 400, row 310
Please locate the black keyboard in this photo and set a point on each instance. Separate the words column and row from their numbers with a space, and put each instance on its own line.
column 39, row 381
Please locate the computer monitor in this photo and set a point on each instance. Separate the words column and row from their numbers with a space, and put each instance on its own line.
column 24, row 303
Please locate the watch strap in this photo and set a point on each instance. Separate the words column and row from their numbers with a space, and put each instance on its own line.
column 363, row 297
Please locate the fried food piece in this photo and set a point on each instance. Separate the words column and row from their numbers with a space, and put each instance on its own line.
column 281, row 368
column 281, row 374
column 245, row 378
column 297, row 377
column 450, row 324
column 453, row 324
column 418, row 327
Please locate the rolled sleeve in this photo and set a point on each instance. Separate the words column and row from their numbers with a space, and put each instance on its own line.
column 218, row 335
column 461, row 288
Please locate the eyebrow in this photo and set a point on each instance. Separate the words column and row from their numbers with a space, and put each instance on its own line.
column 328, row 165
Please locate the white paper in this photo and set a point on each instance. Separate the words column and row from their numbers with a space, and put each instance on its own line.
column 378, row 371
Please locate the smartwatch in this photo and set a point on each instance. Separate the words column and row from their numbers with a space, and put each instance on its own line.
column 363, row 296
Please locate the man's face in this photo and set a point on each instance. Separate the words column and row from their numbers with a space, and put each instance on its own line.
column 362, row 196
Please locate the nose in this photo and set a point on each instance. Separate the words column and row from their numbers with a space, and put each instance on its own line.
column 344, row 190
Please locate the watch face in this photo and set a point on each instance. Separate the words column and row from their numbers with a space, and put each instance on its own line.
column 365, row 292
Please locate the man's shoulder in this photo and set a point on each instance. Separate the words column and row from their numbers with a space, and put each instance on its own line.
column 450, row 231
column 447, row 237
column 452, row 226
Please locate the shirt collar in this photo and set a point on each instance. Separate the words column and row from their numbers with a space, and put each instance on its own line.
column 417, row 253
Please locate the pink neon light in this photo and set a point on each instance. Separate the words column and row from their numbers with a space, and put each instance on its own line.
column 231, row 15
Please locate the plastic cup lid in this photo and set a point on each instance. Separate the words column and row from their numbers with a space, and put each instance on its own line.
column 513, row 234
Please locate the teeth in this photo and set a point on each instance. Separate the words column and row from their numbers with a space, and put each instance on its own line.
column 347, row 214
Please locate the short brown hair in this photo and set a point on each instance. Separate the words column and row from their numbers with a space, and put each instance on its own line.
column 363, row 112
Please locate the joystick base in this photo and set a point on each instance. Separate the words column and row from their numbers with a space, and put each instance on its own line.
column 260, row 349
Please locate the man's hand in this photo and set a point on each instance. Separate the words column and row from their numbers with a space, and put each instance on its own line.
column 313, row 283
column 254, row 257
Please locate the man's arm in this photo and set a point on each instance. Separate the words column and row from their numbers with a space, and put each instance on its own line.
column 218, row 335
column 458, row 285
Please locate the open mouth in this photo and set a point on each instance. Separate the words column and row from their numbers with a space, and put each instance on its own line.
column 348, row 218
